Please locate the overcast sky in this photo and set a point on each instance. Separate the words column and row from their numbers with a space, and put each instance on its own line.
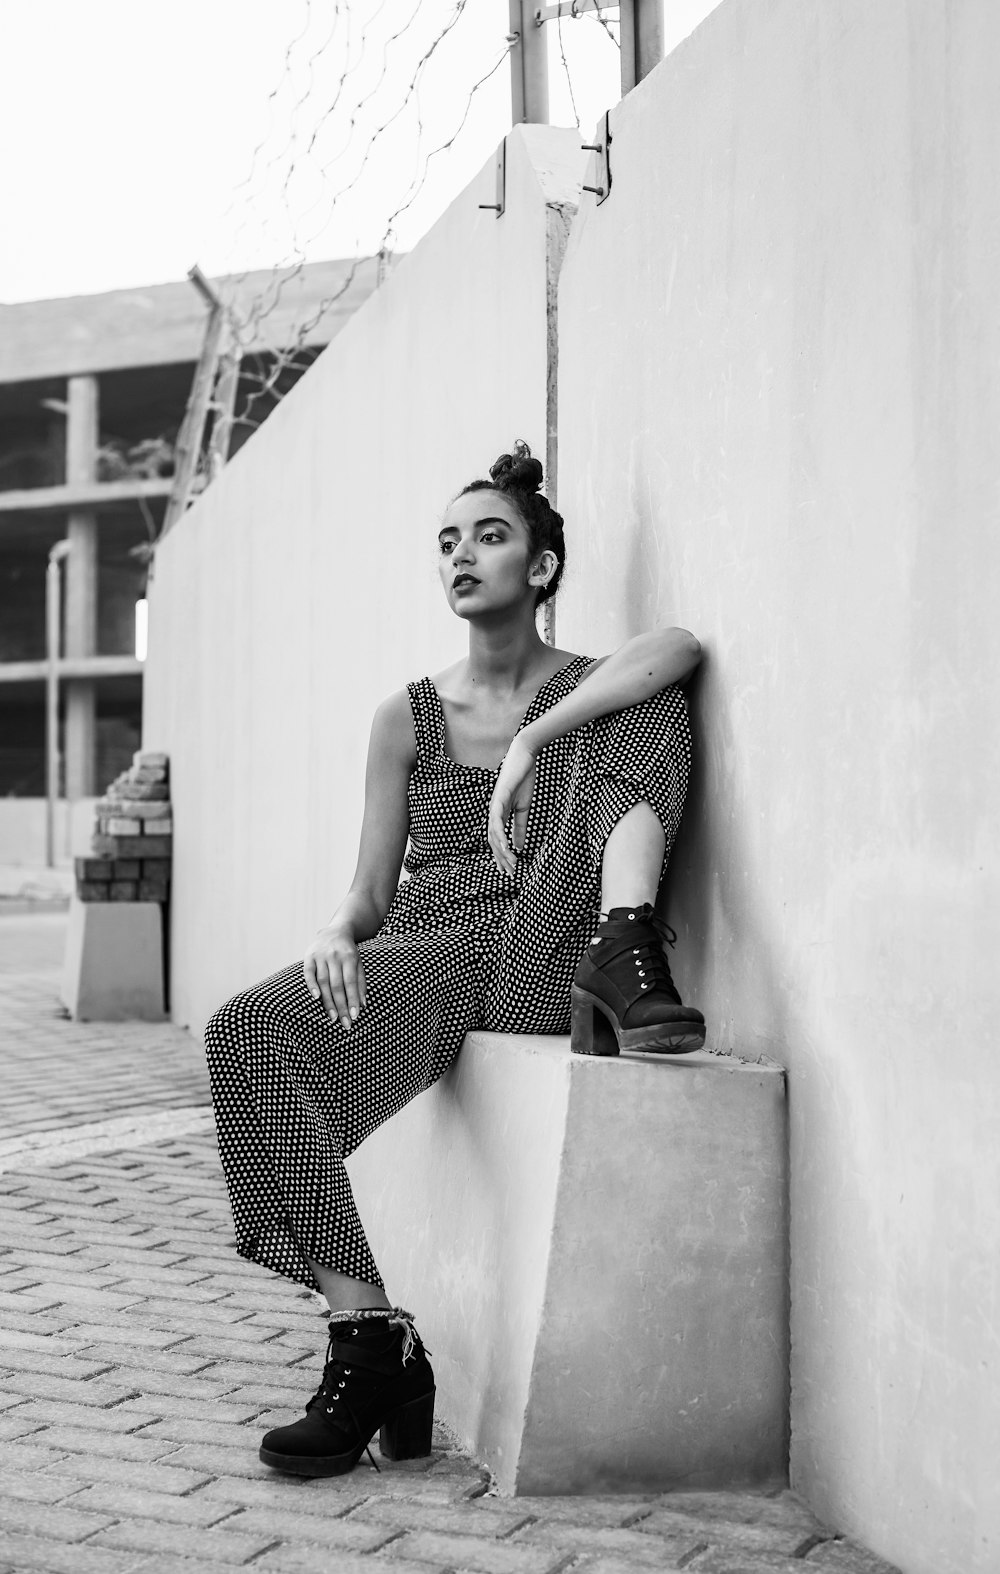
column 138, row 138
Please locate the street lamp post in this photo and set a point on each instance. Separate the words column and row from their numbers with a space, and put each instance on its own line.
column 53, row 623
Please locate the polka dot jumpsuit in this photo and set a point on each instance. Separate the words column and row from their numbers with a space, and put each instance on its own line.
column 462, row 946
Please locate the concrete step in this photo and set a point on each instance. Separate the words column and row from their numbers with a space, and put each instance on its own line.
column 596, row 1253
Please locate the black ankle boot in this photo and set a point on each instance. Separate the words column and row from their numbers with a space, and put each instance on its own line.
column 377, row 1378
column 623, row 994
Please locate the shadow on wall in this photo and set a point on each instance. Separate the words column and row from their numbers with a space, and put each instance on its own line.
column 716, row 894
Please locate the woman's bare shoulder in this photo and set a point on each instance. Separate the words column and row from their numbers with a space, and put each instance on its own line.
column 393, row 735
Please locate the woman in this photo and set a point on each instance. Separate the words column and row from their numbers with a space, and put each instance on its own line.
column 586, row 764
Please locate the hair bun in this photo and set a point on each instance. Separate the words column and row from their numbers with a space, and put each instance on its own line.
column 518, row 470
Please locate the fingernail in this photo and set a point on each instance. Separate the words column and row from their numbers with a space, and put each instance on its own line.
column 345, row 1023
column 354, row 1013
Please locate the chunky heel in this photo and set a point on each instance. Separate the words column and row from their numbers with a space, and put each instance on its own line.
column 406, row 1434
column 590, row 1031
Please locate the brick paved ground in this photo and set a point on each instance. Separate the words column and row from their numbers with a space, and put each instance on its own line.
column 140, row 1359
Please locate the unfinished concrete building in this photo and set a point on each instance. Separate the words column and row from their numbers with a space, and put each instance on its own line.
column 93, row 391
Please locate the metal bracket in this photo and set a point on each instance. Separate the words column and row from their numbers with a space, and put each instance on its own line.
column 500, row 170
column 602, row 162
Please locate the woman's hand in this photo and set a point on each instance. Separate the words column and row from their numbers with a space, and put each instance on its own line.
column 511, row 797
column 333, row 973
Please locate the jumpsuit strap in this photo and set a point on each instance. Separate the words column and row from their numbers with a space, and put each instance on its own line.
column 428, row 720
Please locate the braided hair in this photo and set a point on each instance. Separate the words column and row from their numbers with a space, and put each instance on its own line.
column 518, row 477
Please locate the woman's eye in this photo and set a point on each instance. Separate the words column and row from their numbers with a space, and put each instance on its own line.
column 446, row 547
column 490, row 535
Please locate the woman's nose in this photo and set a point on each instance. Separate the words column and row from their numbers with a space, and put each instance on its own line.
column 463, row 552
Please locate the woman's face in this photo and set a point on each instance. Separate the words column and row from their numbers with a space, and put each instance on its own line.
column 485, row 555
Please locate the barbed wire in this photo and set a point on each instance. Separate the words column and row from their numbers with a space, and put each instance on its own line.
column 565, row 65
column 270, row 359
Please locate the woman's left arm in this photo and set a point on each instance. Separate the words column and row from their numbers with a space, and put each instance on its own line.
column 633, row 673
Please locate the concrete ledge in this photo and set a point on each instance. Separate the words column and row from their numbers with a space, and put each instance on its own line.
column 113, row 969
column 596, row 1252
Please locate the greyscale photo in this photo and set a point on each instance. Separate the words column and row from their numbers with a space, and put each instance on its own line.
column 498, row 837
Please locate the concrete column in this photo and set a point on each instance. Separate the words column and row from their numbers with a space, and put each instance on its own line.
column 81, row 588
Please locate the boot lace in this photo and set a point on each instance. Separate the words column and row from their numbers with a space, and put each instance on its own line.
column 333, row 1388
column 649, row 955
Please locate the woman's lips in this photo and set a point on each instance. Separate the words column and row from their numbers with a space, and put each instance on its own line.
column 463, row 582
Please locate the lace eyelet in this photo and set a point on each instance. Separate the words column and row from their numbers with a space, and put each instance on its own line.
column 635, row 950
column 347, row 1371
column 340, row 1385
column 643, row 986
column 329, row 1410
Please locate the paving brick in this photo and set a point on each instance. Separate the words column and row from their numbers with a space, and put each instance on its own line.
column 27, row 1301
column 215, row 1547
column 125, row 1472
column 58, row 1523
column 181, row 1429
column 615, row 1563
column 68, row 1391
column 21, row 1553
column 288, row 1524
column 24, row 1457
column 125, row 1333
column 210, row 1460
column 648, row 1552
column 44, row 1325
column 314, row 1560
column 612, row 1512
column 36, row 1358
column 730, row 1532
column 160, row 1370
column 37, row 1489
column 330, row 1499
column 81, row 1295
column 472, row 1554
column 481, row 1519
column 13, row 1426
column 780, row 1510
column 131, row 1502
column 733, row 1560
column 109, row 1445
column 838, row 1556
column 214, row 1349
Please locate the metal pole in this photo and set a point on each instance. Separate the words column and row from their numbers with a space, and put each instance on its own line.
column 648, row 36
column 529, row 66
column 53, row 619
column 641, row 40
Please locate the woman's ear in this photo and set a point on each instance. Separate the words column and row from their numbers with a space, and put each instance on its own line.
column 544, row 569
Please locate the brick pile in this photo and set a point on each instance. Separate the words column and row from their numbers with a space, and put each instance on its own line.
column 133, row 837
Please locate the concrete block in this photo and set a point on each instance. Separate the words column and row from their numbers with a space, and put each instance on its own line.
column 144, row 792
column 116, row 825
column 596, row 1252
column 113, row 969
column 154, row 809
column 93, row 868
column 153, row 890
column 132, row 846
column 159, row 827
column 153, row 757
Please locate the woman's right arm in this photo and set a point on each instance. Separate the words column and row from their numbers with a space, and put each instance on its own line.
column 332, row 966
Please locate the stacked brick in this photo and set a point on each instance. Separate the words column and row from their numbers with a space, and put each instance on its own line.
column 132, row 842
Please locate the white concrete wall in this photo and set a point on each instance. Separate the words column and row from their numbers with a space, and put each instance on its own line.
column 779, row 404
column 302, row 588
